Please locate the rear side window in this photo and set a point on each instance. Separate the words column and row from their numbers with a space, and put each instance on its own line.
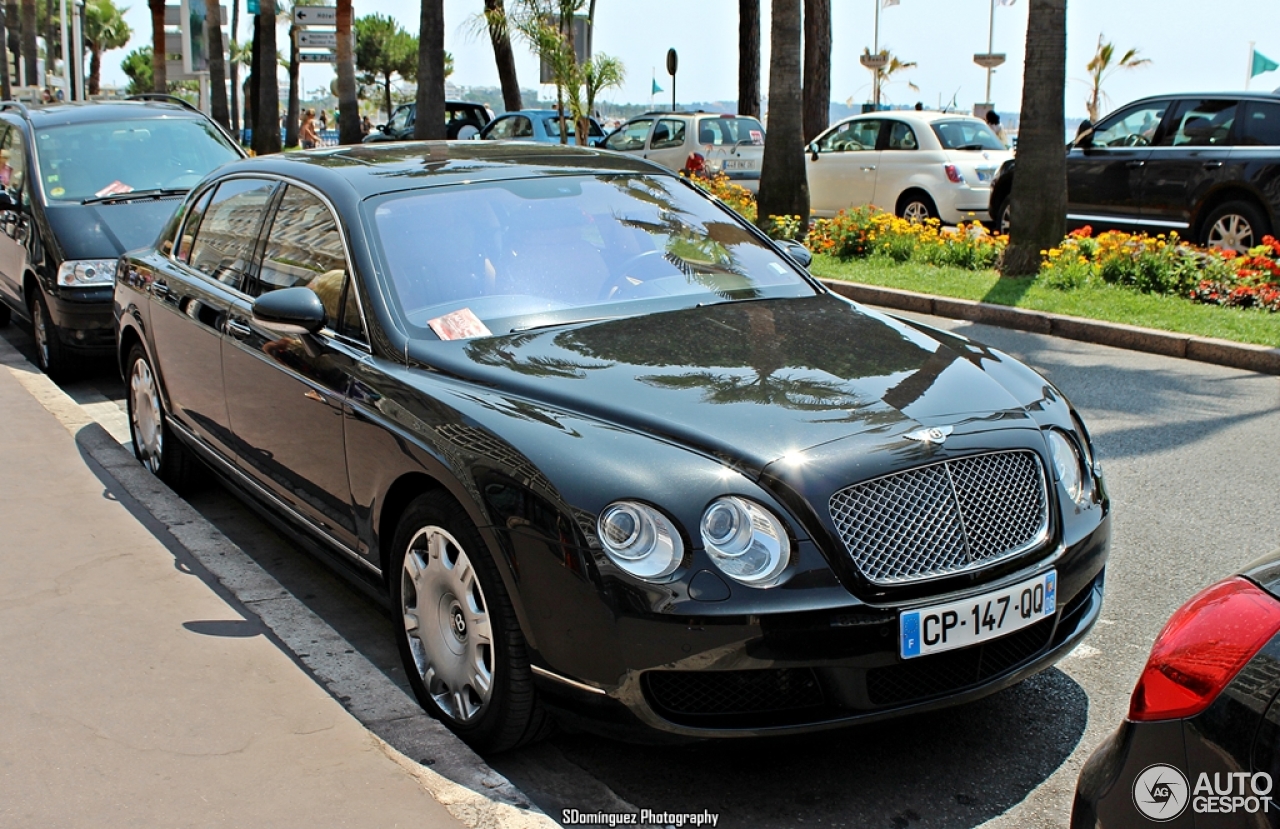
column 1260, row 125
column 223, row 245
column 901, row 137
column 966, row 134
column 1200, row 124
column 669, row 133
column 631, row 137
column 730, row 131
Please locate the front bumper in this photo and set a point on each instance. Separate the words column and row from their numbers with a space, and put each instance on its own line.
column 697, row 678
column 83, row 318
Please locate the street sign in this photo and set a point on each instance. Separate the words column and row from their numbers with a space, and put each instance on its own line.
column 989, row 61
column 315, row 15
column 317, row 57
column 252, row 6
column 873, row 61
column 322, row 40
column 673, row 61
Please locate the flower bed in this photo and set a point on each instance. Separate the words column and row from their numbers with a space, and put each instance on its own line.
column 1163, row 264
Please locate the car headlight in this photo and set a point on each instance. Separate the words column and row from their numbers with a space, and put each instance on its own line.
column 746, row 541
column 86, row 272
column 1067, row 464
column 640, row 540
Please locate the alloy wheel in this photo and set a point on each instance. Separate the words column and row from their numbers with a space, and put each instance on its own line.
column 447, row 621
column 916, row 211
column 1231, row 231
column 145, row 417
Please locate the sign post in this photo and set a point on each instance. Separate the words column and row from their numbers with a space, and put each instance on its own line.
column 673, row 61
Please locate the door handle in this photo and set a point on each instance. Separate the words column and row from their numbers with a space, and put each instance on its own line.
column 159, row 290
column 1212, row 165
column 1133, row 165
column 237, row 329
column 870, row 169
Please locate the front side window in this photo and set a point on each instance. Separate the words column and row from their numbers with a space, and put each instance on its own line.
column 851, row 137
column 400, row 119
column 630, row 137
column 80, row 162
column 966, row 134
column 1200, row 124
column 554, row 249
column 13, row 163
column 304, row 249
column 192, row 225
column 669, row 133
column 1134, row 128
column 1260, row 126
column 223, row 245
column 521, row 127
column 901, row 137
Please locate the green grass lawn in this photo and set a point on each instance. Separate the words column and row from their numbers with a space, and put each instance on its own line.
column 1099, row 302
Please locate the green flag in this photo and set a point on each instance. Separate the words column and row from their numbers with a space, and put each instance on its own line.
column 1262, row 63
column 657, row 89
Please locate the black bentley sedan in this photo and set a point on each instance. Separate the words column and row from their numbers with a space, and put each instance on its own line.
column 1201, row 744
column 608, row 450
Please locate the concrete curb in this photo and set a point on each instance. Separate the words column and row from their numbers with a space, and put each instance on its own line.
column 456, row 776
column 1259, row 358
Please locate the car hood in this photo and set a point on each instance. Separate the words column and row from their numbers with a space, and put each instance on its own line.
column 104, row 231
column 749, row 382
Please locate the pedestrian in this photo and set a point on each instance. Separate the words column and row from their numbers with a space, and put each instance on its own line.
column 307, row 132
column 993, row 121
column 366, row 126
column 919, row 106
column 324, row 121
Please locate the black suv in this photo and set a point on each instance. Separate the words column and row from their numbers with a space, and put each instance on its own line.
column 80, row 184
column 462, row 119
column 1205, row 165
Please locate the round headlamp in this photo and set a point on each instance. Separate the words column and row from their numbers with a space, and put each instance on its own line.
column 1066, row 463
column 640, row 540
column 746, row 541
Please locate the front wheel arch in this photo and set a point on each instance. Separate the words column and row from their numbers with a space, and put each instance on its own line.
column 916, row 194
column 1200, row 223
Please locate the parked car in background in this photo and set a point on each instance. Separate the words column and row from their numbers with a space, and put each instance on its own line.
column 463, row 120
column 541, row 125
column 79, row 185
column 606, row 448
column 1204, row 165
column 920, row 165
column 696, row 142
column 1201, row 744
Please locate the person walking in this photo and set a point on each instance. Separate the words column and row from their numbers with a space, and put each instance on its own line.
column 324, row 120
column 993, row 121
column 307, row 131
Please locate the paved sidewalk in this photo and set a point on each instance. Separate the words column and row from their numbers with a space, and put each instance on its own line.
column 136, row 691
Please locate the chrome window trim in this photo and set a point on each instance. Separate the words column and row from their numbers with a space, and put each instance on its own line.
column 186, row 266
column 1088, row 217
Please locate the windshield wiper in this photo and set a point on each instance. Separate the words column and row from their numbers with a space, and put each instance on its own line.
column 157, row 193
column 971, row 147
column 543, row 325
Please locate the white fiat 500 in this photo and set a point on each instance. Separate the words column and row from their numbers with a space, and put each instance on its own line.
column 920, row 165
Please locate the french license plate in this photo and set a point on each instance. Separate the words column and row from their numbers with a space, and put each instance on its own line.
column 985, row 174
column 978, row 619
column 739, row 164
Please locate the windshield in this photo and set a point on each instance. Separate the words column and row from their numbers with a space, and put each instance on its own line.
column 721, row 130
column 106, row 158
column 508, row 255
column 966, row 134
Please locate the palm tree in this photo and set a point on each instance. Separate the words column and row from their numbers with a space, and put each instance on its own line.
column 348, row 100
column 749, row 58
column 236, row 52
column 893, row 66
column 104, row 29
column 217, row 66
column 1100, row 68
column 30, row 56
column 495, row 16
column 266, row 114
column 429, row 121
column 13, row 21
column 784, row 190
column 601, row 72
column 159, row 80
column 817, row 67
column 1039, row 197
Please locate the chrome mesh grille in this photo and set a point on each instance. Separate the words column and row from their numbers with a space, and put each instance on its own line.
column 943, row 518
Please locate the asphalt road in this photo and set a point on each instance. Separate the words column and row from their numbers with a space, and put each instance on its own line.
column 1193, row 465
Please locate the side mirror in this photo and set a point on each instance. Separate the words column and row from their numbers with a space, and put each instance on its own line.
column 796, row 252
column 1084, row 134
column 290, row 311
column 381, row 128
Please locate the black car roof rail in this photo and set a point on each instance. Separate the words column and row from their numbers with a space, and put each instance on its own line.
column 163, row 98
column 19, row 106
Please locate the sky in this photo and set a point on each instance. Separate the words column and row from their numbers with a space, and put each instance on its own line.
column 1189, row 52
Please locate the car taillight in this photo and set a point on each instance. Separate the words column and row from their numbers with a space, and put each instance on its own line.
column 953, row 174
column 1201, row 649
column 695, row 163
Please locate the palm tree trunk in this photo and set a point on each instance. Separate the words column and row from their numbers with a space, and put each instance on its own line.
column 266, row 118
column 386, row 91
column 1039, row 197
column 293, row 109
column 30, row 56
column 51, row 40
column 95, row 69
column 749, row 57
column 348, row 103
column 235, row 69
column 159, row 80
column 6, row 93
column 817, row 67
column 503, row 55
column 430, row 117
column 784, row 190
column 217, row 66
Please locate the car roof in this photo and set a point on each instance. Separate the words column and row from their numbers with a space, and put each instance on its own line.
column 917, row 116
column 81, row 112
column 364, row 170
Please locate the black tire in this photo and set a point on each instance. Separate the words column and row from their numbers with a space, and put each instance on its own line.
column 51, row 355
column 448, row 630
column 1003, row 217
column 1238, row 225
column 5, row 315
column 154, row 444
column 916, row 205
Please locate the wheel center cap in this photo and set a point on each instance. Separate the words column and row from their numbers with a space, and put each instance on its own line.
column 459, row 623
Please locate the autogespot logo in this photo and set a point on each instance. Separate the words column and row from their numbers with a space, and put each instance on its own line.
column 1160, row 792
